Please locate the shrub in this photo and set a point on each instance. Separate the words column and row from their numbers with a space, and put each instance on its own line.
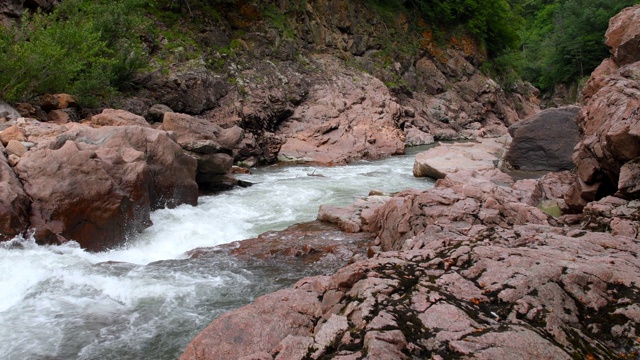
column 86, row 48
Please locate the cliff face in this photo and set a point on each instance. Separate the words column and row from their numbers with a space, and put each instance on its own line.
column 325, row 82
column 608, row 159
column 288, row 72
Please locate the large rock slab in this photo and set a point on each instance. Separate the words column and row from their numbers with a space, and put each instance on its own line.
column 438, row 162
column 348, row 118
column 545, row 141
column 96, row 186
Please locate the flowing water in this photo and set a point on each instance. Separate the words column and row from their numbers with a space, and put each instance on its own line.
column 147, row 299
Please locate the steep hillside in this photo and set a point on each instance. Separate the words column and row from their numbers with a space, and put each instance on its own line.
column 226, row 82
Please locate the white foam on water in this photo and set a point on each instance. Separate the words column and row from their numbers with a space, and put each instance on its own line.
column 63, row 302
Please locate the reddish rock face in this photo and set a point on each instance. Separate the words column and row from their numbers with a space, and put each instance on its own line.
column 343, row 121
column 623, row 36
column 469, row 269
column 606, row 160
column 112, row 117
column 107, row 180
column 210, row 144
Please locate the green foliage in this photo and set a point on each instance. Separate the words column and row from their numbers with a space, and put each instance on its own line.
column 564, row 39
column 505, row 68
column 494, row 22
column 90, row 49
column 279, row 20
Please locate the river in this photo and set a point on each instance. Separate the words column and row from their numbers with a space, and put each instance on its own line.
column 147, row 300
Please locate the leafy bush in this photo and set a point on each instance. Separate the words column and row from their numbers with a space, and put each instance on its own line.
column 86, row 48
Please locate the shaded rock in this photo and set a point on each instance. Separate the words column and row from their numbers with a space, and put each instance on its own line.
column 444, row 159
column 157, row 111
column 49, row 102
column 544, row 141
column 58, row 117
column 610, row 120
column 191, row 89
column 473, row 106
column 629, row 176
column 112, row 117
column 8, row 112
column 210, row 144
column 14, row 202
column 598, row 78
column 107, row 181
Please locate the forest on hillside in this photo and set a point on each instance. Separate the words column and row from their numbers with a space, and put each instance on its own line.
column 93, row 49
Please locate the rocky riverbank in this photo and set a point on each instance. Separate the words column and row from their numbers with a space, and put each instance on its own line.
column 477, row 267
column 317, row 92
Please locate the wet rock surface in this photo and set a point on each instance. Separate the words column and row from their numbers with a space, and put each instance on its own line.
column 94, row 185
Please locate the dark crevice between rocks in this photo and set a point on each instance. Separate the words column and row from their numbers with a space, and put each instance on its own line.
column 601, row 343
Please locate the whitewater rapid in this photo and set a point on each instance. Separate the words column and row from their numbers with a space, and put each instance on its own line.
column 146, row 300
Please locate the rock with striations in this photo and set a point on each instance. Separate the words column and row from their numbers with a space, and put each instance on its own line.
column 545, row 141
column 606, row 159
column 96, row 186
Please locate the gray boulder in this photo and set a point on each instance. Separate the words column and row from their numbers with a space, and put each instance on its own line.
column 545, row 141
column 6, row 111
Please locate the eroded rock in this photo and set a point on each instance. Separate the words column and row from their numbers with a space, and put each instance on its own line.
column 107, row 180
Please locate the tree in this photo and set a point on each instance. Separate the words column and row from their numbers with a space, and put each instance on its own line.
column 564, row 39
